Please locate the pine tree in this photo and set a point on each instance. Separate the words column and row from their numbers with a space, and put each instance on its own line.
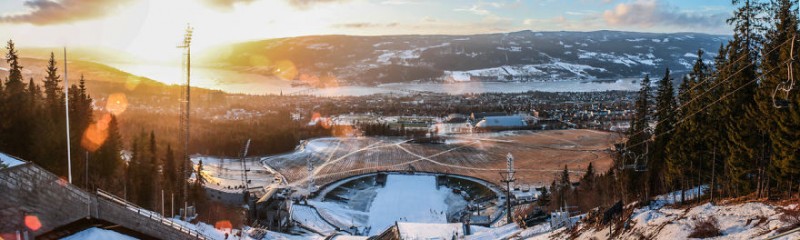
column 169, row 174
column 637, row 145
column 588, row 179
column 741, row 136
column 52, row 91
column 665, row 118
column 132, row 174
column 34, row 95
column 16, row 124
column 106, row 161
column 678, row 149
column 780, row 160
column 565, row 183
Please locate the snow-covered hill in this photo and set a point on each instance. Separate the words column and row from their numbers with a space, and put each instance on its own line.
column 518, row 56
column 662, row 220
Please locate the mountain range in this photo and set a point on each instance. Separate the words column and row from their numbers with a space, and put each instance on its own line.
column 321, row 61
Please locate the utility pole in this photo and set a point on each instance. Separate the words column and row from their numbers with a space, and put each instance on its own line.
column 245, row 191
column 184, row 117
column 86, row 177
column 66, row 107
column 508, row 178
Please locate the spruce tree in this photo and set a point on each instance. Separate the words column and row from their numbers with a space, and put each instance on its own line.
column 106, row 161
column 169, row 173
column 52, row 90
column 742, row 136
column 780, row 122
column 16, row 124
column 665, row 119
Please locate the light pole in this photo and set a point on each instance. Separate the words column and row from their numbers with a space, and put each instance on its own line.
column 508, row 178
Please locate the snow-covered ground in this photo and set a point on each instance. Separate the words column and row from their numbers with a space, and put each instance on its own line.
column 659, row 220
column 8, row 161
column 309, row 218
column 410, row 230
column 98, row 234
column 225, row 174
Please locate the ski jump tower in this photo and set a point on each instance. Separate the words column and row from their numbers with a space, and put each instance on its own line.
column 186, row 167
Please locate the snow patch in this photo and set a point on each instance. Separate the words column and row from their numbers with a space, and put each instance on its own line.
column 98, row 234
column 7, row 161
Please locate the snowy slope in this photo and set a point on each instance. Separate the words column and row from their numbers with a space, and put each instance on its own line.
column 8, row 161
column 753, row 220
column 410, row 231
column 98, row 234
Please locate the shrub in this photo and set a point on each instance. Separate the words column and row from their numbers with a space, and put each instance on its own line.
column 705, row 228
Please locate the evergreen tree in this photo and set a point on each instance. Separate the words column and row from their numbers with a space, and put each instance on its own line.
column 636, row 147
column 106, row 161
column 169, row 174
column 588, row 179
column 665, row 119
column 132, row 180
column 565, row 183
column 741, row 136
column 678, row 150
column 34, row 95
column 780, row 122
column 54, row 100
column 16, row 124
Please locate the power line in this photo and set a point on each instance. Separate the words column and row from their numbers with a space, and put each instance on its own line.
column 717, row 83
column 712, row 103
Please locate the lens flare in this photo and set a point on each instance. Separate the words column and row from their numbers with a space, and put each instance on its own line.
column 117, row 103
column 32, row 222
column 318, row 120
column 285, row 70
column 223, row 225
column 96, row 134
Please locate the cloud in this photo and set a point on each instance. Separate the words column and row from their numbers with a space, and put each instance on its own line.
column 358, row 25
column 474, row 9
column 401, row 2
column 225, row 4
column 48, row 12
column 649, row 13
column 306, row 4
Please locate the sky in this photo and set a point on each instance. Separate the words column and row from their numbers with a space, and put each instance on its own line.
column 150, row 29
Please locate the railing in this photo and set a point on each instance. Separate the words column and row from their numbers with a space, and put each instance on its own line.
column 151, row 215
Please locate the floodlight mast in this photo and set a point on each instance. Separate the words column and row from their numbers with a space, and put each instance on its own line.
column 508, row 178
column 185, row 110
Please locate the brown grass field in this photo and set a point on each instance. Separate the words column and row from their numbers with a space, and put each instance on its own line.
column 539, row 156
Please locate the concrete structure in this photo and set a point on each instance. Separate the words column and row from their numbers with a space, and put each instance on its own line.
column 38, row 203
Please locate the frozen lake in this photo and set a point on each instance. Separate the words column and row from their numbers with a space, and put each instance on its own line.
column 248, row 83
